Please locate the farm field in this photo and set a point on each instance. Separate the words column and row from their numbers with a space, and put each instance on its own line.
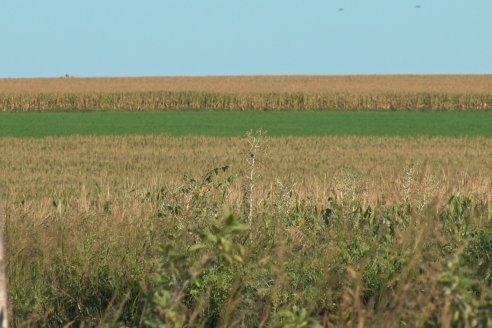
column 162, row 202
column 369, row 84
column 277, row 93
column 30, row 165
column 246, row 164
column 327, row 123
column 135, row 230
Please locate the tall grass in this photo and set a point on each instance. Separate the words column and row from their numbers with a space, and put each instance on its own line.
column 113, row 231
column 174, row 257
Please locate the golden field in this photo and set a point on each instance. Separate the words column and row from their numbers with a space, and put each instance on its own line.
column 324, row 231
column 398, row 92
column 400, row 84
column 48, row 166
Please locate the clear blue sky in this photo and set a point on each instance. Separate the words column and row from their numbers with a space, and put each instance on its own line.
column 243, row 37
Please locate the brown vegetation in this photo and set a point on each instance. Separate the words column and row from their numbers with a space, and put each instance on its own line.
column 401, row 84
column 41, row 167
column 446, row 92
column 86, row 218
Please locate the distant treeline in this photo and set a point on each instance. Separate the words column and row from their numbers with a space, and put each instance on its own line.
column 272, row 101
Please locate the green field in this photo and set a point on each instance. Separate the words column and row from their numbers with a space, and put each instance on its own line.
column 455, row 124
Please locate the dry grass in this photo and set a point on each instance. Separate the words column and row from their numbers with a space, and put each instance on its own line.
column 42, row 167
column 83, row 227
column 448, row 92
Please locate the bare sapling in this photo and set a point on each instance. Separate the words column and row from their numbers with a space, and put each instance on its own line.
column 254, row 145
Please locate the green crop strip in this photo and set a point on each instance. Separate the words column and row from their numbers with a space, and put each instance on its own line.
column 454, row 124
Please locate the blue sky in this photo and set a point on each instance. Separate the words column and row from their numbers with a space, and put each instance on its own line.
column 243, row 37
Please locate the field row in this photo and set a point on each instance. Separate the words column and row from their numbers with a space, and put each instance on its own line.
column 194, row 100
column 401, row 124
column 301, row 93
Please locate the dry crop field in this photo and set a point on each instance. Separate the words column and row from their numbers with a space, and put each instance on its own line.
column 405, row 92
column 400, row 84
column 253, row 231
column 136, row 231
column 455, row 165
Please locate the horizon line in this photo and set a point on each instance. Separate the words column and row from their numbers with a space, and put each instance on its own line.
column 68, row 76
